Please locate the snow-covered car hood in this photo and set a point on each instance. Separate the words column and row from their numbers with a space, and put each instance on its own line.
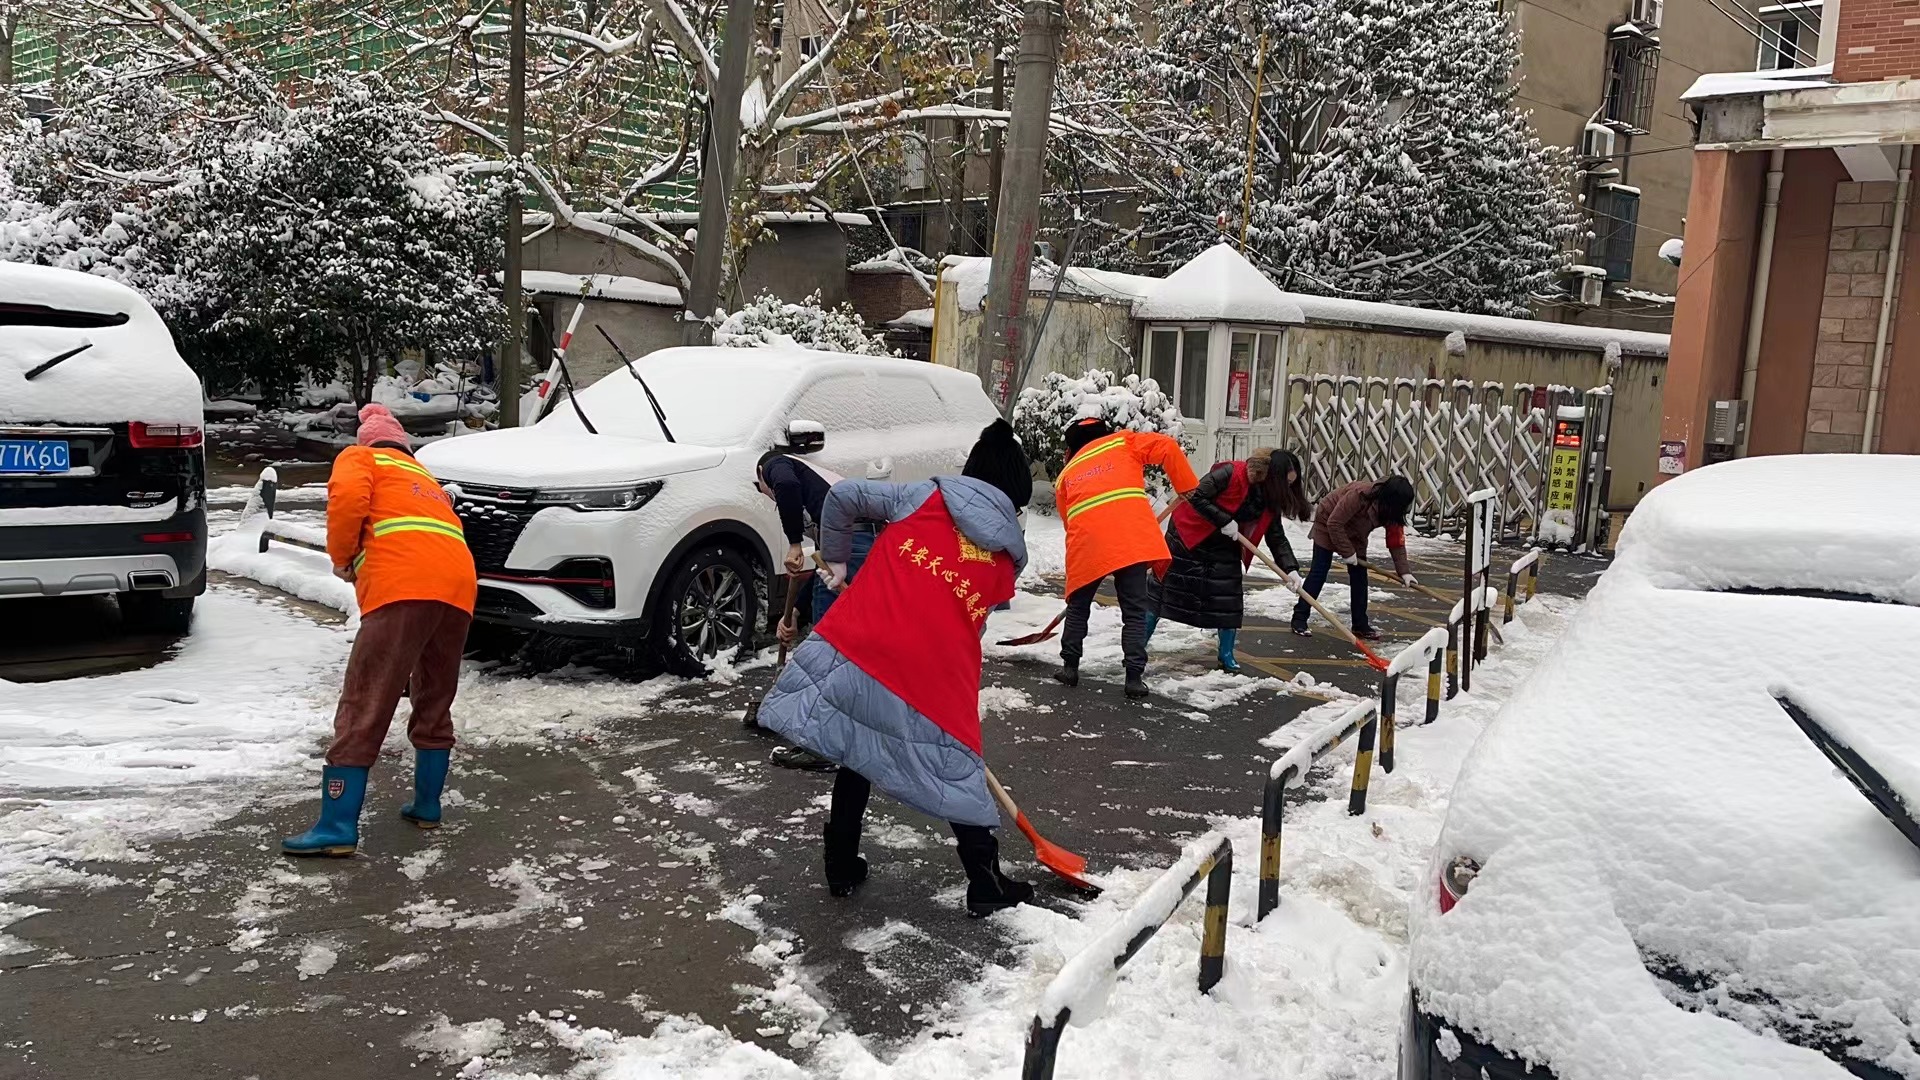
column 129, row 371
column 546, row 457
column 1834, row 522
column 1670, row 867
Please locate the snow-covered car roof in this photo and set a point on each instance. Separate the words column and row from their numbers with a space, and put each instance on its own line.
column 1675, row 882
column 719, row 396
column 1834, row 522
column 131, row 370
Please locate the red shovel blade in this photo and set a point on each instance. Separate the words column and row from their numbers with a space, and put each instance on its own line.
column 1374, row 659
column 1038, row 636
column 1054, row 857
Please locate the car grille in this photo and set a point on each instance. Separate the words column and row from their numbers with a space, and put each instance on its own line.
column 493, row 519
column 502, row 602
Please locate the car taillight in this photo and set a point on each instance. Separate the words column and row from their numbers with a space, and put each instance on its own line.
column 166, row 538
column 1455, row 878
column 163, row 436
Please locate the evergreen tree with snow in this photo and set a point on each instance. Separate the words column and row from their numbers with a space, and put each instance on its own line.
column 1391, row 162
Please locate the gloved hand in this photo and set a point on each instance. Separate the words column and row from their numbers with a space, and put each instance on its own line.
column 835, row 575
column 1231, row 530
column 1351, row 560
column 1409, row 580
column 1294, row 581
column 796, row 559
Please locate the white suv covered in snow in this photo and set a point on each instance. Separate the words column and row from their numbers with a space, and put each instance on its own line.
column 652, row 529
column 1651, row 866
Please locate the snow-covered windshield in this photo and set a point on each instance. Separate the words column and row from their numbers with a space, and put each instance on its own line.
column 710, row 397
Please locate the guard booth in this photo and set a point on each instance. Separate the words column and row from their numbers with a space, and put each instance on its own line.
column 1213, row 336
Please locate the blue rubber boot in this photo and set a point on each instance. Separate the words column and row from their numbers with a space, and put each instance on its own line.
column 429, row 777
column 1227, row 663
column 342, row 789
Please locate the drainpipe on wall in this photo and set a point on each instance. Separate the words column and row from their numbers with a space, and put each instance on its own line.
column 1757, row 309
column 1886, row 298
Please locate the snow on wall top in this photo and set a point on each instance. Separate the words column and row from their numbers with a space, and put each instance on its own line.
column 599, row 286
column 1838, row 522
column 1643, row 800
column 1736, row 83
column 131, row 372
column 969, row 277
column 1218, row 284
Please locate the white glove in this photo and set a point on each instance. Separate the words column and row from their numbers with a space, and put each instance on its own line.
column 1231, row 530
column 1409, row 581
column 835, row 575
column 1351, row 560
column 1294, row 581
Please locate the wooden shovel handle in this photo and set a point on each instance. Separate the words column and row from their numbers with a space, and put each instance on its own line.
column 1300, row 591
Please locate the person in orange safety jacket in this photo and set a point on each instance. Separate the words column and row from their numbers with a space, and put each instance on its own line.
column 392, row 531
column 1101, row 494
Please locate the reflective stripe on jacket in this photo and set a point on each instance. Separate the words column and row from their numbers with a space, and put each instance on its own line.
column 388, row 519
column 1102, row 497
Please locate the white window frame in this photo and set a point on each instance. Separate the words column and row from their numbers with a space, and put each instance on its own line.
column 1179, row 361
column 1228, row 418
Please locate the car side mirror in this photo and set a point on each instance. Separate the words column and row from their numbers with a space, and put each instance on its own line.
column 805, row 436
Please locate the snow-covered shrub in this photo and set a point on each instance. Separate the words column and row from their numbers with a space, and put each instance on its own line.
column 1041, row 415
column 771, row 321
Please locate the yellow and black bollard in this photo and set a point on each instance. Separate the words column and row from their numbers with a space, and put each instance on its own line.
column 1272, row 806
column 1213, row 946
column 1434, row 678
column 1453, row 659
column 1362, row 767
column 1389, row 684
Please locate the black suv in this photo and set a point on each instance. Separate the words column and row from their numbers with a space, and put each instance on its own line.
column 103, row 476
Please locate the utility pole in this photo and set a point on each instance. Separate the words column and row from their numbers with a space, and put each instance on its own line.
column 996, row 146
column 509, row 368
column 716, row 186
column 1018, row 217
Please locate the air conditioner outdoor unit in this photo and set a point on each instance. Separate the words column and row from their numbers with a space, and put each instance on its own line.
column 1647, row 13
column 1592, row 291
column 1597, row 141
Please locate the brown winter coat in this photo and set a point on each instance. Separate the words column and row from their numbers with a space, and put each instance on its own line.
column 1345, row 520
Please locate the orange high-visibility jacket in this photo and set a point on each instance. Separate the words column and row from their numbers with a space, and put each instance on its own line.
column 388, row 519
column 1102, row 496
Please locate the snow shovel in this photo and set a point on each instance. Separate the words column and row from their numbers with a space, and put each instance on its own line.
column 1052, row 628
column 1435, row 594
column 752, row 721
column 1048, row 854
column 1374, row 659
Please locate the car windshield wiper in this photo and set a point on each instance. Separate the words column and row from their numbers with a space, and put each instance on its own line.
column 43, row 368
column 566, row 384
column 1848, row 759
column 659, row 414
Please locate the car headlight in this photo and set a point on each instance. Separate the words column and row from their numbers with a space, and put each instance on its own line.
column 610, row 497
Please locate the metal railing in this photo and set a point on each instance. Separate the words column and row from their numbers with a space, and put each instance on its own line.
column 1209, row 858
column 1428, row 651
column 285, row 532
column 1290, row 768
column 1528, row 564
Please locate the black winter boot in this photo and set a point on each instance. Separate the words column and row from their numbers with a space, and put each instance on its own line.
column 1137, row 684
column 988, row 890
column 1069, row 673
column 845, row 868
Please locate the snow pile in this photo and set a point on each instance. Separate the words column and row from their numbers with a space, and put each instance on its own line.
column 1838, row 522
column 771, row 321
column 1737, row 83
column 293, row 570
column 1664, row 851
column 599, row 287
column 128, row 371
column 968, row 274
column 1219, row 284
column 1041, row 415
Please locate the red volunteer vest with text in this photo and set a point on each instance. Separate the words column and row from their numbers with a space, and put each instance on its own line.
column 912, row 619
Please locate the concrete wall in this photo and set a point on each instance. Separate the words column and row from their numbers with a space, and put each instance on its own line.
column 792, row 261
column 639, row 328
column 1079, row 336
column 1563, row 81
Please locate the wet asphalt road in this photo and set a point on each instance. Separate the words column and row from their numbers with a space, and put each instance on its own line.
column 656, row 865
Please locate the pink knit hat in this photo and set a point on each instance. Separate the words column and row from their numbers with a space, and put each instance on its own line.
column 378, row 425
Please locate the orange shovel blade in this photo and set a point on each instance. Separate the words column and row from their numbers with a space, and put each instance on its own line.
column 1054, row 857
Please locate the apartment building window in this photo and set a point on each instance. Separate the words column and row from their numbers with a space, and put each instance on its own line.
column 809, row 45
column 1613, row 213
column 1789, row 35
column 1633, row 59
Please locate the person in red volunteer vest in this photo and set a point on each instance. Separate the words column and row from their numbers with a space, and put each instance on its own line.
column 888, row 685
column 1234, row 500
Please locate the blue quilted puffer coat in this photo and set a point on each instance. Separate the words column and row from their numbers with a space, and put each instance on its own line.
column 826, row 703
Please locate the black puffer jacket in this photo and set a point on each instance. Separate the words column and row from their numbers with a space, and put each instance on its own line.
column 1202, row 587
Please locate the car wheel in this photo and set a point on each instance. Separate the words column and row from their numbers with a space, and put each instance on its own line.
column 707, row 609
column 153, row 613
